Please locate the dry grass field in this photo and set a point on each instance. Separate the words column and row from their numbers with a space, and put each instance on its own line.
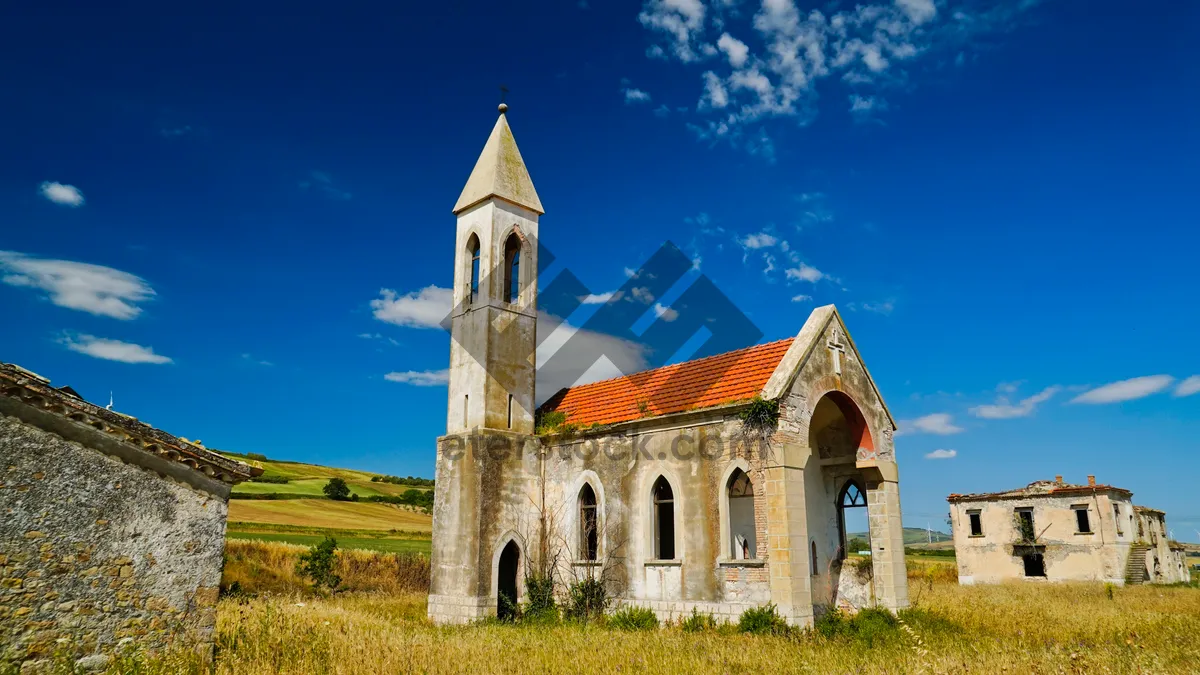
column 378, row 626
column 326, row 513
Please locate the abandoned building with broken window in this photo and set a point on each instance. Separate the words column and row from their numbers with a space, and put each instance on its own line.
column 112, row 532
column 719, row 484
column 1055, row 531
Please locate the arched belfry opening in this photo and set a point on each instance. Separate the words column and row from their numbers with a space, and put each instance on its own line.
column 838, row 429
column 472, row 289
column 743, row 542
column 853, row 523
column 506, row 581
column 512, row 268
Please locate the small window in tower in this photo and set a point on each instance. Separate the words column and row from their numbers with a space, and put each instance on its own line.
column 1117, row 519
column 976, row 523
column 813, row 558
column 512, row 268
column 466, row 408
column 510, row 411
column 1082, row 523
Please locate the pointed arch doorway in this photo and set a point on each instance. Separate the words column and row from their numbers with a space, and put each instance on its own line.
column 506, row 581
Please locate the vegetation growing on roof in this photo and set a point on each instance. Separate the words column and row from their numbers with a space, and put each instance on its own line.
column 760, row 417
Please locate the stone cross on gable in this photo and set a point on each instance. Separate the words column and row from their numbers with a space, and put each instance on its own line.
column 836, row 348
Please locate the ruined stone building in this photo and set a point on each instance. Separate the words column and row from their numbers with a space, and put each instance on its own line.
column 1056, row 531
column 111, row 532
column 652, row 482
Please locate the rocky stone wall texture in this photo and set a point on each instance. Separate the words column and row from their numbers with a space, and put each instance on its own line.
column 96, row 554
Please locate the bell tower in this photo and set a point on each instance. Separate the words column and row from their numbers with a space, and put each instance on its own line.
column 493, row 324
column 487, row 463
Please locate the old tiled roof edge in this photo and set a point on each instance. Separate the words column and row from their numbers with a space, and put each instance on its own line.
column 1144, row 509
column 1025, row 493
column 22, row 385
column 552, row 403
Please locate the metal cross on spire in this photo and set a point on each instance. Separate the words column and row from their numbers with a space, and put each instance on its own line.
column 503, row 93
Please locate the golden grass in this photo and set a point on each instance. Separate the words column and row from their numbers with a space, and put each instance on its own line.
column 329, row 514
column 1011, row 628
column 270, row 567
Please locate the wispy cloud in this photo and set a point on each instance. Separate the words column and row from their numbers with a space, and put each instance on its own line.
column 941, row 454
column 1188, row 387
column 1125, row 390
column 941, row 424
column 757, row 241
column 884, row 307
column 419, row 309
column 801, row 298
column 95, row 289
column 112, row 350
column 67, row 195
column 175, row 132
column 379, row 336
column 770, row 63
column 251, row 359
column 804, row 272
column 420, row 378
column 600, row 298
column 322, row 182
column 1002, row 409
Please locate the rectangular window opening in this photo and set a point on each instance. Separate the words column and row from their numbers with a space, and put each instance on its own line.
column 466, row 408
column 1035, row 564
column 1117, row 519
column 510, row 411
column 665, row 531
column 976, row 523
column 1082, row 523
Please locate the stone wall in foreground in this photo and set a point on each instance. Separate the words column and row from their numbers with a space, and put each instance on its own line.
column 96, row 554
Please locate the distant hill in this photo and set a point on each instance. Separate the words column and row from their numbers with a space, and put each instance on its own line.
column 297, row 478
column 912, row 535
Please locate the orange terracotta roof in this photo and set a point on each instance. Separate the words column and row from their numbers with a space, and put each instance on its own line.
column 691, row 385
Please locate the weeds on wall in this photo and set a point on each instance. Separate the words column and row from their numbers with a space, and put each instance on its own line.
column 763, row 620
column 760, row 418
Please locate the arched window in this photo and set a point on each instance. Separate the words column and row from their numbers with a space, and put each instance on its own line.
column 741, row 516
column 851, row 497
column 512, row 268
column 473, row 284
column 589, row 523
column 813, row 558
column 664, row 519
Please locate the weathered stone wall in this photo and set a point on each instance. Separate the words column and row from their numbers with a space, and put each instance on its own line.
column 95, row 553
column 1069, row 555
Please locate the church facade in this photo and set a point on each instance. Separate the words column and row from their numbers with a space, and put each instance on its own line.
column 717, row 484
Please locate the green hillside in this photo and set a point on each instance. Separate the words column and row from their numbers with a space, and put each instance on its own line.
column 297, row 478
column 912, row 535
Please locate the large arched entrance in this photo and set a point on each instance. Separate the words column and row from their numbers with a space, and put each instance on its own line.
column 839, row 436
column 838, row 429
column 506, row 582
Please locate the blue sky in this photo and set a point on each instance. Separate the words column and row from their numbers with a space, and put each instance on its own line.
column 232, row 220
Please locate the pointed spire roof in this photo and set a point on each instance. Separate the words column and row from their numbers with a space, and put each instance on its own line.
column 500, row 172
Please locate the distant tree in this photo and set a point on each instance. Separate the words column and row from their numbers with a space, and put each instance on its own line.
column 319, row 562
column 855, row 545
column 337, row 489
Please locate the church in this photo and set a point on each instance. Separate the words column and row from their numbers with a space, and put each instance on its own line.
column 717, row 484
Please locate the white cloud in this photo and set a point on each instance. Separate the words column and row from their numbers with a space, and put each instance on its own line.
column 941, row 424
column 756, row 241
column 112, row 350
column 1125, row 390
column 801, row 298
column 620, row 357
column 420, row 309
column 249, row 358
column 885, row 308
column 680, row 21
column 420, row 378
column 67, row 195
column 665, row 313
column 785, row 51
column 635, row 95
column 804, row 272
column 600, row 298
column 95, row 289
column 1188, row 387
column 941, row 454
column 735, row 50
column 1002, row 409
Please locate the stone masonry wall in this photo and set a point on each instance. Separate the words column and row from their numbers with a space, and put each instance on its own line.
column 96, row 554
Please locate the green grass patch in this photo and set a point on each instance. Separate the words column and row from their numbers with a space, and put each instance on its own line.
column 381, row 544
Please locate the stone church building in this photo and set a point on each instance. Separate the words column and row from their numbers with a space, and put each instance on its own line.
column 1057, row 531
column 112, row 532
column 652, row 482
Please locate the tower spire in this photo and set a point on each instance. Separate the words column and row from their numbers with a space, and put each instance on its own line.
column 500, row 172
